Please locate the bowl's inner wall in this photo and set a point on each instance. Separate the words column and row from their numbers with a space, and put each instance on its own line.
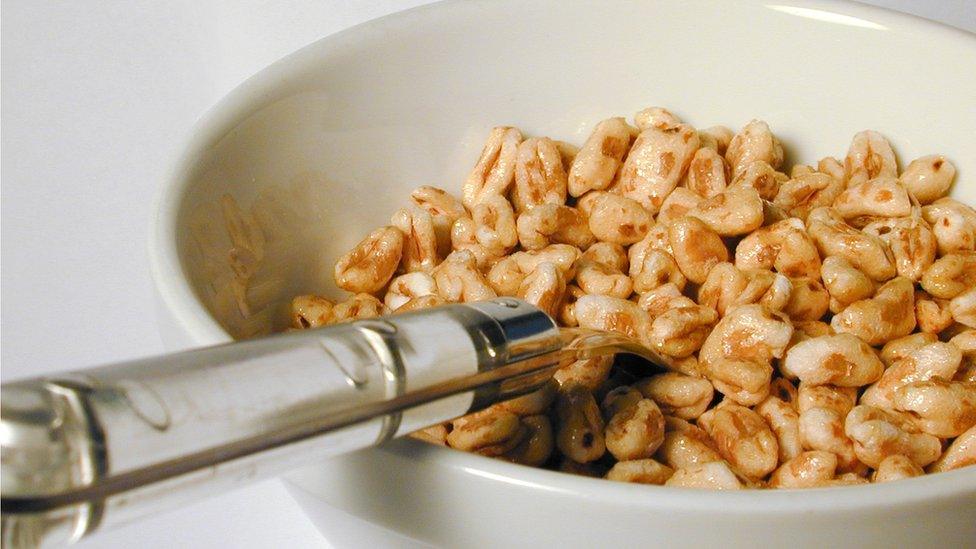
column 327, row 144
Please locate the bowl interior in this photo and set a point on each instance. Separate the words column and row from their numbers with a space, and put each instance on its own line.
column 300, row 162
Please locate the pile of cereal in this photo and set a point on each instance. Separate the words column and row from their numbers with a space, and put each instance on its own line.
column 821, row 322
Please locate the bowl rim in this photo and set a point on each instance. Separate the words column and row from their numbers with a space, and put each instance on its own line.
column 909, row 491
column 179, row 298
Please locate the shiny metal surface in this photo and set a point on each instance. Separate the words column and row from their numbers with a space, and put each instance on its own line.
column 94, row 448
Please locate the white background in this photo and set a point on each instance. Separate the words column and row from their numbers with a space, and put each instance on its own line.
column 97, row 98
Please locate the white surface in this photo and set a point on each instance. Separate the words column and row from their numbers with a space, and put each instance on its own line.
column 97, row 98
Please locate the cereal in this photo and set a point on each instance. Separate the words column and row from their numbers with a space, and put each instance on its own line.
column 548, row 224
column 680, row 331
column 963, row 308
column 619, row 399
column 717, row 137
column 409, row 286
column 655, row 302
column 487, row 428
column 635, row 432
column 800, row 170
column 506, row 275
column 458, row 279
column 960, row 453
column 817, row 329
column 590, row 373
column 464, row 236
column 696, row 248
column 784, row 421
column 828, row 397
column 912, row 243
column 615, row 218
column 896, row 467
column 954, row 225
column 420, row 248
column 580, row 436
column 829, row 165
column 760, row 176
column 728, row 286
column 678, row 394
column 843, row 360
column 311, row 311
column 869, row 156
column 754, row 142
column 737, row 354
column 928, row 178
column 844, row 283
column 890, row 314
column 784, row 390
column 444, row 210
column 881, row 197
column 811, row 328
column 715, row 475
column 643, row 471
column 784, row 246
column 600, row 157
column 936, row 359
column 539, row 175
column 808, row 301
column 592, row 470
column 707, row 174
column 536, row 445
column 846, row 479
column 612, row 314
column 371, row 264
column 735, row 211
column 656, row 163
column 600, row 271
column 495, row 228
column 743, row 439
column 495, row 170
column 805, row 470
column 685, row 445
column 438, row 202
column 655, row 117
column 938, row 407
column 965, row 341
column 567, row 309
column 651, row 268
column 419, row 303
column 435, row 434
column 878, row 434
column 677, row 204
column 950, row 275
column 902, row 347
column 867, row 253
column 933, row 314
column 544, row 288
column 822, row 429
column 610, row 255
column 357, row 307
column 806, row 192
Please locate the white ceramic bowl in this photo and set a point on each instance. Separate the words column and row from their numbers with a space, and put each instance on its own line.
column 326, row 143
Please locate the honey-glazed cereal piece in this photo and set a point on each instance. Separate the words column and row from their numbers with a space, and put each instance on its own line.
column 495, row 170
column 641, row 471
column 868, row 157
column 656, row 164
column 371, row 263
column 598, row 160
column 540, row 177
column 311, row 311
